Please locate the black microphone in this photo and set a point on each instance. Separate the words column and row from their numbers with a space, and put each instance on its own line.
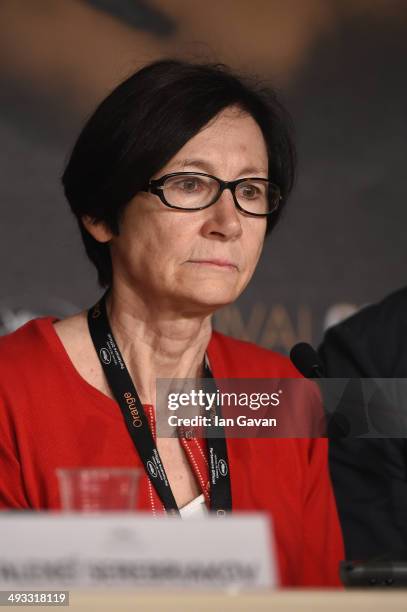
column 306, row 360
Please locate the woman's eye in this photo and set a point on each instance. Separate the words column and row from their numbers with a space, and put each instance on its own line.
column 250, row 191
column 189, row 185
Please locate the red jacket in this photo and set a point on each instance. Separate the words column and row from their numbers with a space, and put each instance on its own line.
column 50, row 417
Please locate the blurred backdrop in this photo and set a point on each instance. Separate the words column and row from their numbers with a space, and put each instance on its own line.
column 340, row 66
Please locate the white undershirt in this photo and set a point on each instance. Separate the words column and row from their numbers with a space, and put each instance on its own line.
column 194, row 509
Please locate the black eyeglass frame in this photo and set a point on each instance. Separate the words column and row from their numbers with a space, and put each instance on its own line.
column 156, row 186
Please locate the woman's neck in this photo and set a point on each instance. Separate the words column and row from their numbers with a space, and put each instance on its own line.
column 157, row 342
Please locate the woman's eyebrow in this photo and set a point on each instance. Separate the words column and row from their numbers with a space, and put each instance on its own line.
column 206, row 166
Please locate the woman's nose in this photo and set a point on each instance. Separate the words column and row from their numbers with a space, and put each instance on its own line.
column 223, row 219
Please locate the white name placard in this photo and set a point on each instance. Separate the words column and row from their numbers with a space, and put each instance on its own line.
column 55, row 550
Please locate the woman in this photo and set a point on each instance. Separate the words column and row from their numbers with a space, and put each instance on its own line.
column 175, row 181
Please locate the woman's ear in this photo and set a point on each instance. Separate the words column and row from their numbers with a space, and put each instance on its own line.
column 97, row 229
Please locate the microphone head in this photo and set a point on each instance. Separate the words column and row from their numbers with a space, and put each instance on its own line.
column 306, row 360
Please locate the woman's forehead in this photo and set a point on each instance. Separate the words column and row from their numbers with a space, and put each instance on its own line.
column 230, row 136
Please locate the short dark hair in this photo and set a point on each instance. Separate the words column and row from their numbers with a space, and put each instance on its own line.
column 145, row 121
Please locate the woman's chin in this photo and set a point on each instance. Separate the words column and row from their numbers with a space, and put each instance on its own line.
column 209, row 300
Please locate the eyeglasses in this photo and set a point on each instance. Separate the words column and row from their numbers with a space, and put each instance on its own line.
column 196, row 190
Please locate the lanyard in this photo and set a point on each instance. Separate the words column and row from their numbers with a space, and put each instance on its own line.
column 126, row 395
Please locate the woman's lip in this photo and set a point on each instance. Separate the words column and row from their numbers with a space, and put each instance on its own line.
column 220, row 263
